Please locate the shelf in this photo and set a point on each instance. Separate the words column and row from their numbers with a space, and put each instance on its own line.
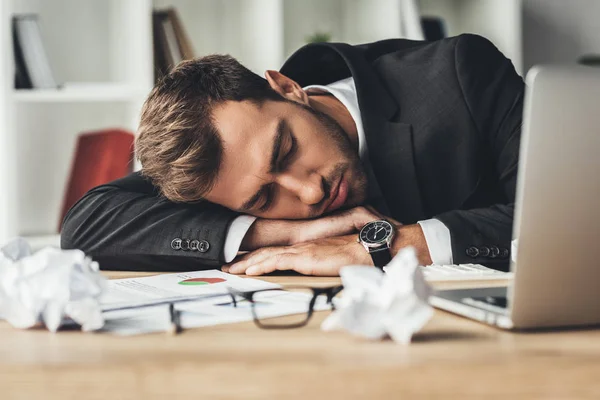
column 79, row 93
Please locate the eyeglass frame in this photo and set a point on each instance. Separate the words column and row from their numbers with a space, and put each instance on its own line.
column 329, row 291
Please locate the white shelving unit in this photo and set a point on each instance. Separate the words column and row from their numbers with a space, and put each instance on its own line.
column 8, row 185
column 102, row 92
column 102, row 50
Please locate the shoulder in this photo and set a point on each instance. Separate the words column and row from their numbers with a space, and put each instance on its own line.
column 474, row 52
column 134, row 182
column 452, row 50
column 473, row 41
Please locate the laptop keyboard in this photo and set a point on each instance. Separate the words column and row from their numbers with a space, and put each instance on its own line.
column 463, row 272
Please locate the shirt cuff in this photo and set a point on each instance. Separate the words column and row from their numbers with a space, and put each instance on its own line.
column 235, row 234
column 437, row 236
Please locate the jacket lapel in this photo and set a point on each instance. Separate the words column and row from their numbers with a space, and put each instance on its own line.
column 391, row 156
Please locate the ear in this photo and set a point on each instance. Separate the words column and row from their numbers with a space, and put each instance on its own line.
column 286, row 87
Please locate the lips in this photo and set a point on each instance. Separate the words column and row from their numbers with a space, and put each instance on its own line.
column 339, row 194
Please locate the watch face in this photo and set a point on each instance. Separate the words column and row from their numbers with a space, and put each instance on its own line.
column 376, row 232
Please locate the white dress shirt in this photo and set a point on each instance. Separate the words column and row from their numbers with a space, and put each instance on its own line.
column 437, row 235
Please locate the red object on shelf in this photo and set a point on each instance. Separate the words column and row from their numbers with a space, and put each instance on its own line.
column 100, row 157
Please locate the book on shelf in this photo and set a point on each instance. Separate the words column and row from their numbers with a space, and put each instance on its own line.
column 183, row 40
column 170, row 41
column 100, row 157
column 32, row 67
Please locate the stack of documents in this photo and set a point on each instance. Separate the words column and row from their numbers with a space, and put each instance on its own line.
column 152, row 295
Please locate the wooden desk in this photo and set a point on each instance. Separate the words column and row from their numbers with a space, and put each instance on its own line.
column 452, row 358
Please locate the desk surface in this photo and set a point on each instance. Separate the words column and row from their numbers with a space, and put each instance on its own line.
column 451, row 358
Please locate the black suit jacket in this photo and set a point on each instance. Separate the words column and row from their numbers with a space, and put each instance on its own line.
column 442, row 121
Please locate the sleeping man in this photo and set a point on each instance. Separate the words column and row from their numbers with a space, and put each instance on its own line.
column 417, row 142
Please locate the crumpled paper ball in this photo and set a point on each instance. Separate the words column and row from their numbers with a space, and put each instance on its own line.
column 48, row 287
column 375, row 304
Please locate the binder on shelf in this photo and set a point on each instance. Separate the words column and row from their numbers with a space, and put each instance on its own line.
column 100, row 157
column 162, row 57
column 32, row 67
column 170, row 41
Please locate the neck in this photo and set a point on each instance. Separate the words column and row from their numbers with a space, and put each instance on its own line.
column 331, row 106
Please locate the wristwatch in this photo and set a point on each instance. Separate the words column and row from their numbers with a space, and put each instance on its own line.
column 376, row 237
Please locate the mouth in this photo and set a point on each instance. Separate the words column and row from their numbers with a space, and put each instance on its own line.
column 338, row 195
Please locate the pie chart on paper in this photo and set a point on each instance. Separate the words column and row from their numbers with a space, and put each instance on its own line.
column 200, row 281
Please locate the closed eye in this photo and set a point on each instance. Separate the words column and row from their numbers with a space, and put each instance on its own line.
column 282, row 165
column 269, row 196
column 287, row 159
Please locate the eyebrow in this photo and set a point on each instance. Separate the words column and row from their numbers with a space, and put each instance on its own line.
column 276, row 149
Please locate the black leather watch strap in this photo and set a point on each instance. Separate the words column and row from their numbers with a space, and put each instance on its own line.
column 381, row 257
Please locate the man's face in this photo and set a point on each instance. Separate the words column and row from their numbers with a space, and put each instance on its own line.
column 284, row 160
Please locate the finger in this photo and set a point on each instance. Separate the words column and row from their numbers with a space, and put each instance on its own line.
column 279, row 262
column 254, row 258
column 239, row 264
column 234, row 266
column 302, row 262
column 299, row 262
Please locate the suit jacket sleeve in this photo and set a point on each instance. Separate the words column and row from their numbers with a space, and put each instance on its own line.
column 493, row 93
column 126, row 224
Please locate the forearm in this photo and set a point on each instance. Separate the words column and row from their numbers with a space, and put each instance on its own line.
column 110, row 222
column 482, row 235
column 267, row 232
column 273, row 232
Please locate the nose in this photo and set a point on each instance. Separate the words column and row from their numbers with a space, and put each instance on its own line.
column 308, row 188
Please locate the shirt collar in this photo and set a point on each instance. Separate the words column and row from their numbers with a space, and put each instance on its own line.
column 345, row 91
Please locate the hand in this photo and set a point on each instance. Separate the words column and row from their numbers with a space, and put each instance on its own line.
column 411, row 235
column 323, row 257
column 271, row 232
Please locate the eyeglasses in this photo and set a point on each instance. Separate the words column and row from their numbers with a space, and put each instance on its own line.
column 266, row 314
column 270, row 307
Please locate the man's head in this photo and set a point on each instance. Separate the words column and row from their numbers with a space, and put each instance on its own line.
column 213, row 130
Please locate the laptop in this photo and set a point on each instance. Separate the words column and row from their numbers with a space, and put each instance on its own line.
column 556, row 281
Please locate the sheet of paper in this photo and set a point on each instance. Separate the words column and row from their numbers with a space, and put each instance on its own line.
column 210, row 312
column 206, row 312
column 133, row 291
